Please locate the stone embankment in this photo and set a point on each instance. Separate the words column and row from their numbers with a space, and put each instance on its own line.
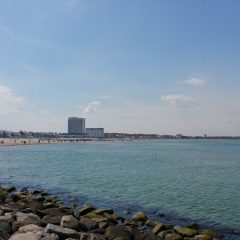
column 34, row 215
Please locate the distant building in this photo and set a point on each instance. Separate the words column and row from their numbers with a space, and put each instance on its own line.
column 76, row 125
column 95, row 132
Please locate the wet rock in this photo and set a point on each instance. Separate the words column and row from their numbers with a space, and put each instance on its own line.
column 173, row 236
column 23, row 219
column 62, row 233
column 140, row 216
column 186, row 232
column 69, row 221
column 118, row 231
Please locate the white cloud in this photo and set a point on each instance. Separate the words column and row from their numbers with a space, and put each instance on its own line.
column 178, row 100
column 92, row 107
column 8, row 101
column 195, row 82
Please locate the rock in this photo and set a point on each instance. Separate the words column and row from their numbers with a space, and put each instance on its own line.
column 202, row 237
column 86, row 224
column 118, row 231
column 4, row 235
column 158, row 228
column 151, row 223
column 149, row 236
column 24, row 219
column 134, row 231
column 101, row 211
column 139, row 216
column 10, row 188
column 186, row 232
column 173, row 236
column 52, row 211
column 162, row 234
column 25, row 236
column 85, row 210
column 91, row 236
column 69, row 221
column 103, row 225
column 62, row 233
column 30, row 228
column 208, row 231
column 100, row 219
column 56, row 220
column 35, row 235
column 5, row 226
column 193, row 225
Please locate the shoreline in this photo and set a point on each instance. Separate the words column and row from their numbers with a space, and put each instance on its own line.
column 143, row 224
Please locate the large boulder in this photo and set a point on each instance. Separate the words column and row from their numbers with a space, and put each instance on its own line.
column 23, row 219
column 140, row 217
column 118, row 231
column 69, row 221
column 186, row 232
column 62, row 233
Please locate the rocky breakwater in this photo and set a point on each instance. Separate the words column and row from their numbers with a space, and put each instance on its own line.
column 34, row 215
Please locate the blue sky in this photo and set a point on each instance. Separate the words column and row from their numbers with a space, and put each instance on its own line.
column 155, row 66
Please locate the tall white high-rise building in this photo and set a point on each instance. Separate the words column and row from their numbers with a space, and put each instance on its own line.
column 76, row 125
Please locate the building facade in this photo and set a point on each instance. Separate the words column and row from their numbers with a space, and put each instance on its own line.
column 76, row 125
column 95, row 132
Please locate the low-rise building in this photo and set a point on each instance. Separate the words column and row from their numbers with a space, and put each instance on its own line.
column 95, row 132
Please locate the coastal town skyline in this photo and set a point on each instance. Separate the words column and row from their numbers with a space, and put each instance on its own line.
column 132, row 67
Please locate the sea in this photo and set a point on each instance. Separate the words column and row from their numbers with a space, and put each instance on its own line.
column 182, row 181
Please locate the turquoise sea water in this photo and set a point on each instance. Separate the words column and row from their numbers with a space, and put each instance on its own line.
column 194, row 179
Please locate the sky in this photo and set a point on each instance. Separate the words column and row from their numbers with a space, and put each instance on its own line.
column 134, row 66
